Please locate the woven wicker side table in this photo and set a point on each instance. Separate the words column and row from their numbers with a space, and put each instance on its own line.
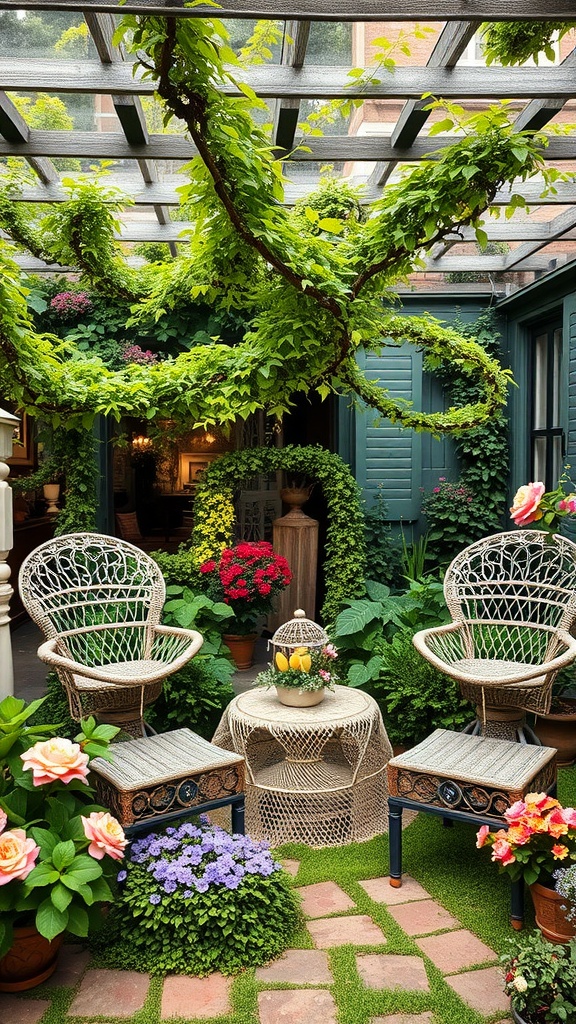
column 313, row 775
column 159, row 778
column 465, row 778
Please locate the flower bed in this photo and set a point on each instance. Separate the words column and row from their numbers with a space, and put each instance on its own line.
column 195, row 899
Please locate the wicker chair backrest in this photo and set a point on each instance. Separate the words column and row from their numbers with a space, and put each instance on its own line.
column 524, row 577
column 90, row 579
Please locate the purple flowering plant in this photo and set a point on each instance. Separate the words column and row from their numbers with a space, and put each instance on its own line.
column 136, row 354
column 196, row 899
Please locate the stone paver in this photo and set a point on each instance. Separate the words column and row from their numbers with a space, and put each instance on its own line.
column 404, row 1018
column 324, row 898
column 72, row 962
column 454, row 950
column 291, row 866
column 422, row 917
column 306, row 1006
column 196, row 997
column 358, row 930
column 298, row 967
column 481, row 990
column 101, row 990
column 14, row 1010
column 380, row 890
column 386, row 970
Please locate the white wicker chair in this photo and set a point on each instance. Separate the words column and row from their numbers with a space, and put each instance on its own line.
column 512, row 597
column 98, row 600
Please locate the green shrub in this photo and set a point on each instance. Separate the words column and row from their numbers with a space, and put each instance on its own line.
column 383, row 551
column 195, row 899
column 55, row 709
column 456, row 518
column 374, row 639
column 192, row 698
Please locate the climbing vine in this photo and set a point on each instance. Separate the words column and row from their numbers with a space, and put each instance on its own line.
column 312, row 296
column 344, row 565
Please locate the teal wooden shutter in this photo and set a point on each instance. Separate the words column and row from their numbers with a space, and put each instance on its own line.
column 387, row 454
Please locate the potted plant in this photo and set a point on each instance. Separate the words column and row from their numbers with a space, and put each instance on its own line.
column 57, row 847
column 302, row 677
column 541, row 837
column 246, row 578
column 558, row 727
column 540, row 978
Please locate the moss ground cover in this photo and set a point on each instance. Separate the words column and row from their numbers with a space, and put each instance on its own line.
column 444, row 861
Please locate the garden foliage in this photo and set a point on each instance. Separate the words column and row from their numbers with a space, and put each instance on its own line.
column 195, row 899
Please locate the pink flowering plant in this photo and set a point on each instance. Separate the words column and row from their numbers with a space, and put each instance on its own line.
column 534, row 505
column 541, row 837
column 246, row 577
column 70, row 305
column 58, row 848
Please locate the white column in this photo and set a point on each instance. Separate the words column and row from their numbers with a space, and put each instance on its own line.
column 7, row 424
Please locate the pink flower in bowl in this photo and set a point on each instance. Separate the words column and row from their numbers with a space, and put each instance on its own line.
column 526, row 506
column 106, row 835
column 54, row 760
column 17, row 855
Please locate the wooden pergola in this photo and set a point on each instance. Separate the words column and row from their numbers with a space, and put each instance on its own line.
column 540, row 94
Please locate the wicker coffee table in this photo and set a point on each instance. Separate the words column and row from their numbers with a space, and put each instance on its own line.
column 465, row 778
column 313, row 775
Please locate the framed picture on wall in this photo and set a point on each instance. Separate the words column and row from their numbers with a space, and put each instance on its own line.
column 22, row 442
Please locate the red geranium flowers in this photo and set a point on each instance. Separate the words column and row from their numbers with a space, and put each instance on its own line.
column 247, row 577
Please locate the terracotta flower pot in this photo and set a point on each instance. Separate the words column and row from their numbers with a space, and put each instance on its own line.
column 294, row 698
column 558, row 729
column 550, row 917
column 241, row 648
column 30, row 960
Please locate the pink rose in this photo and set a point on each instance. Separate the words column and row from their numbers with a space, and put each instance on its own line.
column 568, row 504
column 17, row 855
column 569, row 816
column 483, row 831
column 516, row 811
column 3, row 820
column 502, row 851
column 106, row 835
column 56, row 759
column 526, row 505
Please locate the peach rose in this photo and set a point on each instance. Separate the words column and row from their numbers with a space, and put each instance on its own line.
column 526, row 506
column 3, row 820
column 56, row 759
column 17, row 855
column 106, row 835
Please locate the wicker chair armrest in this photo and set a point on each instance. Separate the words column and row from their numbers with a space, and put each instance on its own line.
column 425, row 637
column 47, row 653
column 175, row 646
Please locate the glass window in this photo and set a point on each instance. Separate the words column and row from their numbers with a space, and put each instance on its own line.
column 546, row 433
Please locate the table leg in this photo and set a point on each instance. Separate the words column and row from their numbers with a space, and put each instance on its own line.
column 238, row 816
column 517, row 905
column 395, row 843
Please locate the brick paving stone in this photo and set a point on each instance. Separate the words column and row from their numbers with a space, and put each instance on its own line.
column 324, row 898
column 386, row 970
column 101, row 990
column 406, row 1018
column 196, row 997
column 481, row 990
column 304, row 1006
column 358, row 930
column 454, row 950
column 291, row 866
column 422, row 917
column 298, row 967
column 72, row 962
column 380, row 890
column 14, row 1010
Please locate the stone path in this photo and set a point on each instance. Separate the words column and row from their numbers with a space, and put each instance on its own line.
column 467, row 964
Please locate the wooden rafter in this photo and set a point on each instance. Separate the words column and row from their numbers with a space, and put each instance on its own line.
column 286, row 112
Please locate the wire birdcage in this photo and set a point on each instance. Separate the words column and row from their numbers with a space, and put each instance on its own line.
column 298, row 632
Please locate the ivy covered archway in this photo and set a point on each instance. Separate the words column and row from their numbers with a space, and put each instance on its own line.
column 345, row 561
